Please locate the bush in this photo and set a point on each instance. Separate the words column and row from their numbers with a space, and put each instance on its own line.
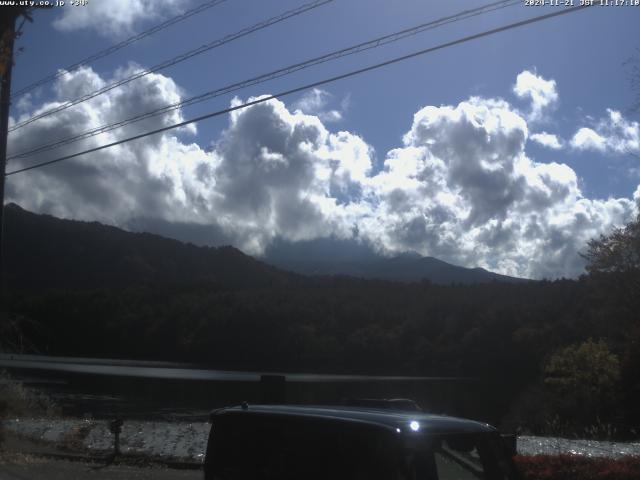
column 583, row 380
column 573, row 467
column 18, row 400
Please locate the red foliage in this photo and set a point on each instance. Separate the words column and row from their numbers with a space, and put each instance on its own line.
column 575, row 467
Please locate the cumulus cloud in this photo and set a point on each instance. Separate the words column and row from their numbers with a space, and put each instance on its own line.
column 547, row 140
column 588, row 139
column 460, row 187
column 104, row 185
column 272, row 173
column 316, row 102
column 463, row 189
column 114, row 17
column 613, row 134
column 282, row 174
column 540, row 92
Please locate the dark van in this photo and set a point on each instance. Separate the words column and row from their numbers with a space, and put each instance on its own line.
column 294, row 442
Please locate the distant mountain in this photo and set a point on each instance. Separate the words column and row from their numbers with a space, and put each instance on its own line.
column 336, row 257
column 43, row 252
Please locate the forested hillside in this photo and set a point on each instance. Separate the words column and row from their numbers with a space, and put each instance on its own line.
column 564, row 354
column 44, row 252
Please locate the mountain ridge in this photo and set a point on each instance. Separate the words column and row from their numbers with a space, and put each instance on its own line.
column 366, row 264
column 44, row 252
column 398, row 269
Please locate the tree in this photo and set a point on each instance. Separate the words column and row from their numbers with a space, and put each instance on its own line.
column 613, row 265
column 618, row 252
column 588, row 367
column 584, row 379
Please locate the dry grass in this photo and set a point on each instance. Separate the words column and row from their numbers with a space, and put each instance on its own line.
column 18, row 400
column 17, row 458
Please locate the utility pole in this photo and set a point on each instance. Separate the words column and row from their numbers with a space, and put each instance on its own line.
column 7, row 32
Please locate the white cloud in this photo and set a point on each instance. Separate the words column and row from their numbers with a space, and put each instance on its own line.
column 461, row 186
column 462, row 189
column 547, row 140
column 613, row 134
column 104, row 185
column 24, row 103
column 316, row 101
column 588, row 139
column 540, row 92
column 114, row 17
column 282, row 174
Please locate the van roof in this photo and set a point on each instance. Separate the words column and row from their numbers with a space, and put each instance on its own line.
column 388, row 419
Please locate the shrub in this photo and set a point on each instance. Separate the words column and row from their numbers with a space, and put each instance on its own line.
column 583, row 380
column 18, row 400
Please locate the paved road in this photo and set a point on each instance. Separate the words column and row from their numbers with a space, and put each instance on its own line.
column 178, row 371
column 63, row 470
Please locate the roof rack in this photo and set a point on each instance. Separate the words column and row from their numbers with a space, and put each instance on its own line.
column 403, row 404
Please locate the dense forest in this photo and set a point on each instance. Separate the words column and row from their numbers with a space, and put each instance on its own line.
column 565, row 353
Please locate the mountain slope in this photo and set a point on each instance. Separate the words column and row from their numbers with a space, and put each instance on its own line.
column 403, row 268
column 43, row 252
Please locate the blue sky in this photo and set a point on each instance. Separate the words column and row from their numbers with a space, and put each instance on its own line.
column 577, row 60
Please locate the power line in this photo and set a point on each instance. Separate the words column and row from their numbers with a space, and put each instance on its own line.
column 309, row 86
column 361, row 47
column 118, row 46
column 180, row 58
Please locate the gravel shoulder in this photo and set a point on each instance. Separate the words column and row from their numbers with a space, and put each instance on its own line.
column 44, row 469
column 185, row 443
column 172, row 442
column 530, row 445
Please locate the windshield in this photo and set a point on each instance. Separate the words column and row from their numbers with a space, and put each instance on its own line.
column 277, row 448
column 456, row 457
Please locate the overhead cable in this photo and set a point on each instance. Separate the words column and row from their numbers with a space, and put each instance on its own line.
column 175, row 60
column 319, row 83
column 118, row 46
column 361, row 47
